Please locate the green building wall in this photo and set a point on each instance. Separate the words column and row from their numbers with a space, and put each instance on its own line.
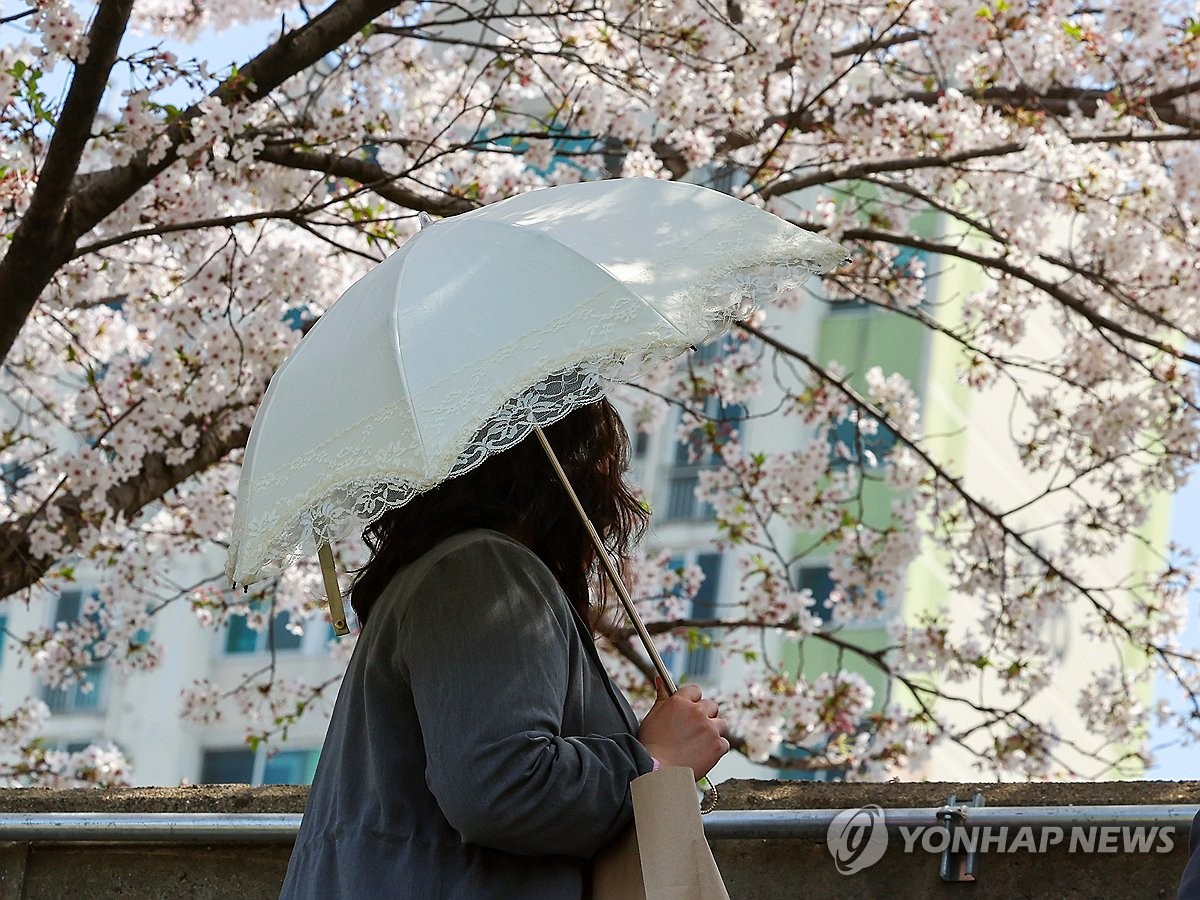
column 860, row 337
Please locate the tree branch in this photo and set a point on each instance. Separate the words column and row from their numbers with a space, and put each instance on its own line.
column 1055, row 102
column 878, row 43
column 194, row 225
column 945, row 477
column 1061, row 101
column 875, row 166
column 368, row 174
column 41, row 241
column 19, row 569
column 911, row 163
column 1100, row 322
column 31, row 262
column 102, row 192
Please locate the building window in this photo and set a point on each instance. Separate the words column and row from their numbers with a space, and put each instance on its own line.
column 695, row 662
column 641, row 444
column 850, row 445
column 241, row 638
column 711, row 351
column 87, row 694
column 297, row 318
column 699, row 662
column 227, row 767
column 682, row 503
column 242, row 765
column 726, row 179
column 787, row 751
column 684, row 476
column 76, row 746
column 84, row 696
column 10, row 474
column 818, row 579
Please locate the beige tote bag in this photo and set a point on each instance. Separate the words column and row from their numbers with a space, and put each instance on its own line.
column 663, row 855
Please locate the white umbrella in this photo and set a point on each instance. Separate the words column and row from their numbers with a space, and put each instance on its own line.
column 486, row 327
column 482, row 327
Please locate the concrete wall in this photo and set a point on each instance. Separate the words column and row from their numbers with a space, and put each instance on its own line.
column 753, row 869
column 788, row 870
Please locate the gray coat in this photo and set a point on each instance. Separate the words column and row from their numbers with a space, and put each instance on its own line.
column 477, row 748
column 1189, row 884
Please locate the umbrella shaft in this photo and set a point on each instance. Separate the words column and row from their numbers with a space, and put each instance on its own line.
column 610, row 568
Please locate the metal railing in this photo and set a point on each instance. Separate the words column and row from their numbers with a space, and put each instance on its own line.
column 767, row 824
column 808, row 823
column 170, row 828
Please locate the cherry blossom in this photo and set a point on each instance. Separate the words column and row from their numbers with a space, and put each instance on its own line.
column 1016, row 186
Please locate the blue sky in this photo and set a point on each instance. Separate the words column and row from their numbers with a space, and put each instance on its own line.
column 1175, row 762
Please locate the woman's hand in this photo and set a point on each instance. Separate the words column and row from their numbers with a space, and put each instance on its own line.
column 684, row 730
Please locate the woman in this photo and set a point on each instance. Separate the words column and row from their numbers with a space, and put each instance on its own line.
column 477, row 748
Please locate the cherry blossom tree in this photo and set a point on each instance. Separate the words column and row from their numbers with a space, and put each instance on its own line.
column 161, row 258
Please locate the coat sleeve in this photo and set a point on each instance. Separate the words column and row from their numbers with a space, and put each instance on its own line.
column 485, row 648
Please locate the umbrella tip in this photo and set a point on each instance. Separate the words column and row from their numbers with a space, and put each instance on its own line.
column 425, row 219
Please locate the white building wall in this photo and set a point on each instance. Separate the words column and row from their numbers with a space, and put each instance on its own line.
column 140, row 711
column 991, row 470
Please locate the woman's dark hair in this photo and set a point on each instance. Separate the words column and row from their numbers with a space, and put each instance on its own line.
column 518, row 492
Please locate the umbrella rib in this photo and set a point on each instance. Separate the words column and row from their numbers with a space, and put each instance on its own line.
column 403, row 375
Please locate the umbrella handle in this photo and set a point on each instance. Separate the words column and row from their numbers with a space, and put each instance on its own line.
column 333, row 593
column 709, row 802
